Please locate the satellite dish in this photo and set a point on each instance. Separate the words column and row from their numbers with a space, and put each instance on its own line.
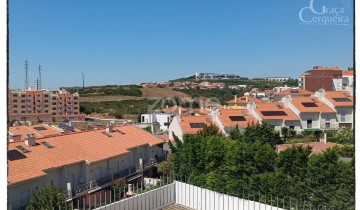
column 82, row 180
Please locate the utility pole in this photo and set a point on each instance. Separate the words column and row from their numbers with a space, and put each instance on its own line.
column 40, row 81
column 26, row 74
column 83, row 80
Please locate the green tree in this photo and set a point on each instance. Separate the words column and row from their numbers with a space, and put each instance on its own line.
column 166, row 167
column 47, row 198
column 210, row 130
column 262, row 133
column 343, row 134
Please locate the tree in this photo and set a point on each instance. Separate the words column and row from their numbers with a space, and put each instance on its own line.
column 48, row 197
column 262, row 133
column 210, row 130
column 166, row 167
column 343, row 134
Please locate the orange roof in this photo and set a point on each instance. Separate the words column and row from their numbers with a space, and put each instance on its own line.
column 90, row 146
column 311, row 104
column 243, row 100
column 175, row 109
column 227, row 122
column 276, row 111
column 39, row 130
column 317, row 147
column 294, row 92
column 348, row 73
column 186, row 120
column 340, row 98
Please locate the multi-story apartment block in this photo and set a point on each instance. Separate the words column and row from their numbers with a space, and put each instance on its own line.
column 320, row 77
column 81, row 164
column 35, row 105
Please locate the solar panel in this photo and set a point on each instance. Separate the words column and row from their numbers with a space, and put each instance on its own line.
column 294, row 91
column 197, row 125
column 341, row 99
column 237, row 118
column 309, row 104
column 273, row 113
column 46, row 144
column 22, row 149
column 15, row 155
column 40, row 128
column 67, row 128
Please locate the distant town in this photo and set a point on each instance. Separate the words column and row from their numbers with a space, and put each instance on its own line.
column 93, row 140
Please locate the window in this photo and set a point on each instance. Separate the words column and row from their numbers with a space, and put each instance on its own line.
column 309, row 123
column 15, row 111
column 15, row 101
column 23, row 112
column 53, row 113
column 76, row 98
column 22, row 106
column 46, row 96
column 75, row 108
column 46, row 101
column 22, row 101
column 15, row 95
column 327, row 125
column 46, row 111
column 54, row 103
column 291, row 127
column 75, row 112
column 342, row 117
column 142, row 118
column 46, row 106
column 15, row 106
column 53, row 98
column 54, row 108
column 22, row 96
column 76, row 103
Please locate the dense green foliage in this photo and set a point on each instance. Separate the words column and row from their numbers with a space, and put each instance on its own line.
column 119, row 108
column 130, row 90
column 247, row 162
column 222, row 95
column 47, row 198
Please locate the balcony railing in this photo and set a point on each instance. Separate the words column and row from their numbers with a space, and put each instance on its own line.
column 99, row 183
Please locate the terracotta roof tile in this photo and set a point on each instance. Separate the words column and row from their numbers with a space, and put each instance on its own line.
column 278, row 106
column 91, row 146
column 319, row 106
column 243, row 100
column 186, row 120
column 317, row 147
column 332, row 95
column 299, row 92
column 227, row 122
column 348, row 73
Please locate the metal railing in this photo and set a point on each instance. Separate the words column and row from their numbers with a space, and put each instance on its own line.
column 98, row 183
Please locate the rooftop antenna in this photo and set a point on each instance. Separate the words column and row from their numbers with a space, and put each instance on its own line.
column 83, row 80
column 26, row 74
column 40, row 81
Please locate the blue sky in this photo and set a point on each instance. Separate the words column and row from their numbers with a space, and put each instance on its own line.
column 131, row 41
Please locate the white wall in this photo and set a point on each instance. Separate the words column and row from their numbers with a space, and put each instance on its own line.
column 160, row 118
column 175, row 126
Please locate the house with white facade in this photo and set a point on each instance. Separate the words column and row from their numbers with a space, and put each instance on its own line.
column 313, row 113
column 275, row 114
column 162, row 119
column 342, row 102
column 82, row 163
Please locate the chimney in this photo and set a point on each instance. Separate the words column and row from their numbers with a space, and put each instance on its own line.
column 235, row 98
column 325, row 138
column 180, row 111
column 246, row 97
column 15, row 138
column 130, row 192
column 109, row 128
column 30, row 139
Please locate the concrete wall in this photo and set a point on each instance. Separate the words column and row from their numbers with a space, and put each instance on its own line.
column 175, row 127
column 315, row 117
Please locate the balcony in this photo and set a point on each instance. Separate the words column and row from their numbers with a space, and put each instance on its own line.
column 106, row 181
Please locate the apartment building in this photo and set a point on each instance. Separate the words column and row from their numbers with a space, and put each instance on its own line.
column 82, row 163
column 162, row 120
column 320, row 77
column 313, row 113
column 36, row 105
column 342, row 102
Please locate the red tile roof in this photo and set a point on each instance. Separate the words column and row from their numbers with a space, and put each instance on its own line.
column 320, row 106
column 317, row 147
column 330, row 95
column 300, row 92
column 186, row 120
column 23, row 130
column 90, row 146
column 278, row 106
column 348, row 73
column 243, row 100
column 226, row 121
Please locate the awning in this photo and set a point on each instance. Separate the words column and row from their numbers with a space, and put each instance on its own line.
column 133, row 177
